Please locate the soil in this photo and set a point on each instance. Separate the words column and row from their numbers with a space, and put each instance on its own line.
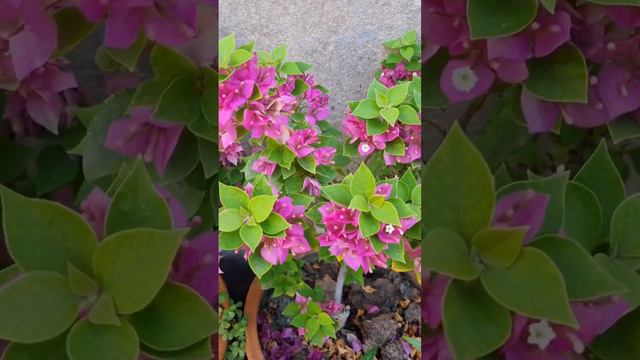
column 396, row 296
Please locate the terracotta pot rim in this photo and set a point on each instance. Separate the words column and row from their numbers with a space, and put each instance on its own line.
column 251, row 309
column 222, row 344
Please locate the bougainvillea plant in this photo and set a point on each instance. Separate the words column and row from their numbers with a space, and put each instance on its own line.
column 292, row 185
column 106, row 170
column 528, row 269
column 548, row 79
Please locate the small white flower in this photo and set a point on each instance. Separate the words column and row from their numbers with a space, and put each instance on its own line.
column 389, row 229
column 464, row 79
column 540, row 334
column 365, row 148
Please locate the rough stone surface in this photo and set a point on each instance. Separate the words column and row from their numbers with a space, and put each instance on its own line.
column 379, row 330
column 393, row 351
column 342, row 39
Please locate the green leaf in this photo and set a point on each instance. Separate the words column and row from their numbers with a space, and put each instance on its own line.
column 325, row 319
column 395, row 147
column 300, row 88
column 225, row 48
column 560, row 76
column 239, row 57
column 359, row 202
column 407, row 53
column 251, row 235
column 312, row 327
column 624, row 235
column 180, row 101
column 366, row 109
column 408, row 38
column 308, row 163
column 290, row 68
column 555, row 186
column 376, row 126
column 230, row 220
column 103, row 312
column 132, row 265
column 363, row 182
column 208, row 157
column 395, row 252
column 390, row 115
column 582, row 216
column 381, row 99
column 620, row 340
column 550, row 5
column 376, row 86
column 261, row 186
column 601, row 176
column 136, row 204
column 44, row 235
column 474, row 324
column 97, row 160
column 369, row 226
column 258, row 264
column 585, row 280
column 81, row 283
column 88, row 341
column 404, row 211
column 409, row 179
column 338, row 193
column 209, row 98
column 432, row 69
column 169, row 64
column 129, row 57
column 459, row 186
column 54, row 349
column 623, row 128
column 233, row 197
column 260, row 206
column 497, row 18
column 499, row 247
column 13, row 159
column 398, row 93
column 149, row 92
column 624, row 275
column 35, row 307
column 230, row 240
column 532, row 286
column 72, row 28
column 274, row 224
column 445, row 252
column 198, row 351
column 408, row 115
column 178, row 317
column 386, row 214
column 279, row 53
column 9, row 273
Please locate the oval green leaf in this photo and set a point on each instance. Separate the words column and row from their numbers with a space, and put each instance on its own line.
column 132, row 265
column 533, row 286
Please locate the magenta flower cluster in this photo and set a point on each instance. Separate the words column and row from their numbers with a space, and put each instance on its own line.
column 605, row 35
column 344, row 239
column 269, row 115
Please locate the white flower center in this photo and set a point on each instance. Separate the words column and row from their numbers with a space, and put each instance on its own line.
column 365, row 148
column 540, row 334
column 464, row 79
column 389, row 229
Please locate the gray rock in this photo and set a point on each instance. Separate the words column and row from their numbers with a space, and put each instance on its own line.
column 412, row 313
column 342, row 39
column 393, row 351
column 379, row 330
